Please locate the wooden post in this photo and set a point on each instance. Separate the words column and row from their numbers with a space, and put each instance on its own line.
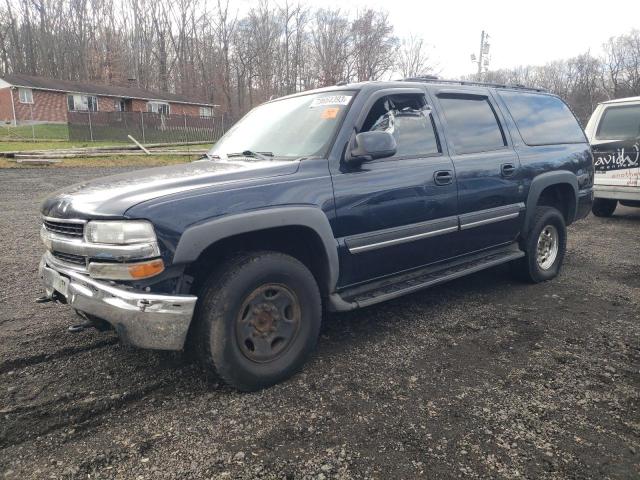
column 142, row 123
column 90, row 126
column 186, row 138
column 13, row 107
column 139, row 145
column 33, row 127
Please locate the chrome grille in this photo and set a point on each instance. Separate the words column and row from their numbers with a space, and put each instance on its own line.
column 72, row 229
column 70, row 258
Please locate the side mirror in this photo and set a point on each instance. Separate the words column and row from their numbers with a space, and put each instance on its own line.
column 372, row 145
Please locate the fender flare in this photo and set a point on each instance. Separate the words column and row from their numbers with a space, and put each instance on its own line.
column 198, row 237
column 544, row 180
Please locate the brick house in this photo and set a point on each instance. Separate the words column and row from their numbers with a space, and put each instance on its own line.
column 29, row 99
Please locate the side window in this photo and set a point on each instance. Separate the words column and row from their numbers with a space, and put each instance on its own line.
column 407, row 117
column 542, row 119
column 473, row 125
column 619, row 123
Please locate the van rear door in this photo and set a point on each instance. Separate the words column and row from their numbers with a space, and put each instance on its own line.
column 615, row 142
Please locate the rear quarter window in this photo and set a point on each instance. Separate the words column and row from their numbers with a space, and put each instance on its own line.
column 543, row 119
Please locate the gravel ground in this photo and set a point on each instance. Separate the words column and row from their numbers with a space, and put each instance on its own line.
column 481, row 377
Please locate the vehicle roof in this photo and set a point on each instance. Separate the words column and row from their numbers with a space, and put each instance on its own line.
column 621, row 100
column 408, row 82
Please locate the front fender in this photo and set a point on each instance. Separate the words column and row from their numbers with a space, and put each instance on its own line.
column 198, row 237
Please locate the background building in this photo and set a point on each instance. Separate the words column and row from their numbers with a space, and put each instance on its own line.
column 27, row 99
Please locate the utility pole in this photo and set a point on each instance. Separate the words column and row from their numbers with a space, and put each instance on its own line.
column 483, row 57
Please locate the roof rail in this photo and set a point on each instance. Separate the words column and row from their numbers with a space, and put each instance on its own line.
column 434, row 79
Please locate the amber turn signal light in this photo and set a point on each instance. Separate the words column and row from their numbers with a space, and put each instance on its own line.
column 126, row 271
column 146, row 269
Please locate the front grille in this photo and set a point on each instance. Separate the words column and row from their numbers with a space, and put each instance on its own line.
column 64, row 228
column 70, row 258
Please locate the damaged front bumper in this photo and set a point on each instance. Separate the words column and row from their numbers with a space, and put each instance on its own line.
column 145, row 320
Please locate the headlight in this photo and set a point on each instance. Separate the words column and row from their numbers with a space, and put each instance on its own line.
column 123, row 232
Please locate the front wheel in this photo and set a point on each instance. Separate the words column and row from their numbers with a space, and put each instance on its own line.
column 258, row 319
column 604, row 207
column 544, row 247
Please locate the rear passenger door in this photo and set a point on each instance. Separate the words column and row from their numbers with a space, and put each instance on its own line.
column 490, row 192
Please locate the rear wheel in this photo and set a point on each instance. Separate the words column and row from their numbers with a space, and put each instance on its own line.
column 544, row 247
column 604, row 207
column 258, row 319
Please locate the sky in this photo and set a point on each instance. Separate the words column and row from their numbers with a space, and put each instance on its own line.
column 521, row 33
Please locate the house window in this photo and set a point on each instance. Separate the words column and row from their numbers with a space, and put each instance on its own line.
column 82, row 103
column 26, row 95
column 206, row 112
column 158, row 107
column 119, row 105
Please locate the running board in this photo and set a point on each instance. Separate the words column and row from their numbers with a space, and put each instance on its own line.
column 398, row 285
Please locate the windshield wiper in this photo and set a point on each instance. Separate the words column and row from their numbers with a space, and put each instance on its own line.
column 250, row 153
column 212, row 157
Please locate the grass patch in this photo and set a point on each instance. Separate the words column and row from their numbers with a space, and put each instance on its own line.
column 43, row 131
column 22, row 146
column 28, row 146
column 108, row 161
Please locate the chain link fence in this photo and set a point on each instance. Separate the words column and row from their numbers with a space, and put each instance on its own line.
column 145, row 127
column 34, row 132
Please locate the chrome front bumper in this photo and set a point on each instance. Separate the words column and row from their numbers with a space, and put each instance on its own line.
column 141, row 319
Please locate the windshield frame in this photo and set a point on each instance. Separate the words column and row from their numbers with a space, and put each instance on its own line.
column 323, row 152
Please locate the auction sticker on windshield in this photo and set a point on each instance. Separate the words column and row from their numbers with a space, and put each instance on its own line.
column 330, row 112
column 331, row 100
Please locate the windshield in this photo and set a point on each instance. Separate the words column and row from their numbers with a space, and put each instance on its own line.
column 620, row 123
column 299, row 126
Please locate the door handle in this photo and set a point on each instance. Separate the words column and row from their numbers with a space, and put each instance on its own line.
column 507, row 169
column 443, row 177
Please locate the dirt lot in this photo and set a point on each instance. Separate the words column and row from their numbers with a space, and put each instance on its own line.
column 482, row 377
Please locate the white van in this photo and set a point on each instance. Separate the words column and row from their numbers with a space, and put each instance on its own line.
column 614, row 133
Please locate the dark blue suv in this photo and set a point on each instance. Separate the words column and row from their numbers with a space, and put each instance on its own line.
column 335, row 198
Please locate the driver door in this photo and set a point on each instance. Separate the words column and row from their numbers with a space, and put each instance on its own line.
column 396, row 213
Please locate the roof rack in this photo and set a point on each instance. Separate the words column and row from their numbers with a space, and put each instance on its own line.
column 434, row 79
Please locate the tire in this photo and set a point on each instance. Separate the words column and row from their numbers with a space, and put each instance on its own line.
column 258, row 319
column 532, row 267
column 604, row 207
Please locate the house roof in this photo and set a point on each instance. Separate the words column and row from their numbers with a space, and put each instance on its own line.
column 41, row 83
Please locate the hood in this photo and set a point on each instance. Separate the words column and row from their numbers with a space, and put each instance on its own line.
column 112, row 196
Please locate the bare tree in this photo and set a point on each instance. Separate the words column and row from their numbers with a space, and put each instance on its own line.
column 265, row 33
column 225, row 26
column 209, row 51
column 413, row 59
column 331, row 44
column 622, row 64
column 373, row 45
